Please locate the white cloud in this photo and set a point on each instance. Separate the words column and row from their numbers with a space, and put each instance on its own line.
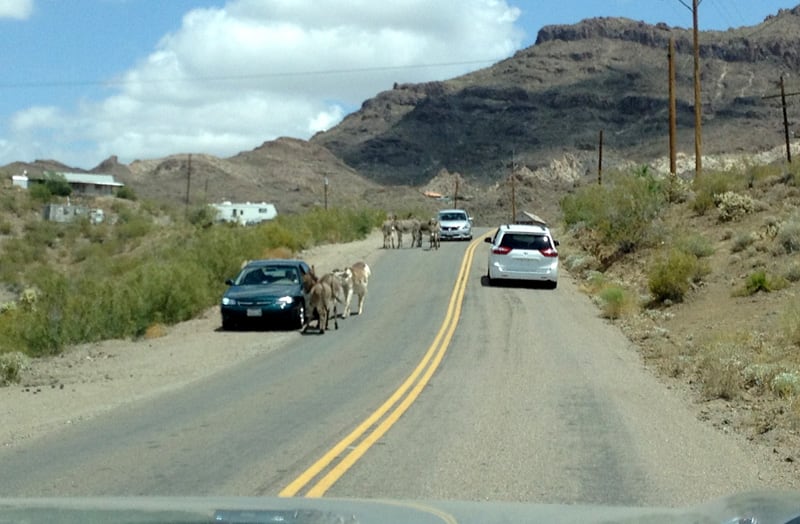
column 232, row 78
column 17, row 9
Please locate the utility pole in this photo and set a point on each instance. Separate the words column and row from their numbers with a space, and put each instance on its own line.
column 673, row 110
column 455, row 195
column 698, row 105
column 785, row 123
column 326, row 193
column 783, row 96
column 513, row 189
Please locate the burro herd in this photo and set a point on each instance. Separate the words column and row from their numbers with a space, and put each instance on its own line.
column 324, row 294
column 395, row 229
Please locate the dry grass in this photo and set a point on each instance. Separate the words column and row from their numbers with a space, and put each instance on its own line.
column 156, row 330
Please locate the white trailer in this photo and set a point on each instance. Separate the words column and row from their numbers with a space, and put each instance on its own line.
column 245, row 213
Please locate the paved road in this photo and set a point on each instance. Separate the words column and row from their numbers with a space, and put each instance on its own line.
column 537, row 399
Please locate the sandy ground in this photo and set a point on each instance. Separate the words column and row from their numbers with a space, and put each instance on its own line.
column 94, row 378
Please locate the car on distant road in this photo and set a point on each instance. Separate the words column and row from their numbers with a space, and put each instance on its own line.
column 523, row 252
column 264, row 292
column 456, row 224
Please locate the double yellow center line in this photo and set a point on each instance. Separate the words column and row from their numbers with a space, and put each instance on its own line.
column 336, row 462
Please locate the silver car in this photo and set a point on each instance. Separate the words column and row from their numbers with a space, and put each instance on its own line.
column 523, row 252
column 456, row 224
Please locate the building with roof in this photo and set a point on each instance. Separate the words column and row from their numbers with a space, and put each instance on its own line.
column 92, row 184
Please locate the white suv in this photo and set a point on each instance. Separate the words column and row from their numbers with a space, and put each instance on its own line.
column 523, row 252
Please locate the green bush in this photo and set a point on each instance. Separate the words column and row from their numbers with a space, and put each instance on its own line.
column 760, row 281
column 697, row 245
column 670, row 277
column 721, row 368
column 789, row 236
column 40, row 193
column 11, row 366
column 57, row 184
column 709, row 185
column 616, row 301
column 126, row 192
column 118, row 292
column 621, row 212
column 742, row 242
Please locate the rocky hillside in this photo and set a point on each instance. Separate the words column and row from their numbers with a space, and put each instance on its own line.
column 601, row 74
column 540, row 111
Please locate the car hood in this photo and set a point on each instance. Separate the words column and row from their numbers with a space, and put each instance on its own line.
column 274, row 290
column 763, row 508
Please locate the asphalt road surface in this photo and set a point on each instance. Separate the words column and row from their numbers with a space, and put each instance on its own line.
column 535, row 399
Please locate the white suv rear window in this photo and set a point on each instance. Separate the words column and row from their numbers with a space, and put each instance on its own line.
column 525, row 241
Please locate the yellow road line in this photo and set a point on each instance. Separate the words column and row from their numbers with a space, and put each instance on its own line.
column 433, row 355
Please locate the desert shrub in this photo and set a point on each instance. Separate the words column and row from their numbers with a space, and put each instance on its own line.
column 786, row 385
column 760, row 281
column 11, row 366
column 733, row 206
column 788, row 237
column 670, row 278
column 697, row 245
column 132, row 225
column 790, row 323
column 615, row 301
column 720, row 368
column 579, row 262
column 126, row 193
column 202, row 216
column 793, row 272
column 710, row 184
column 621, row 212
column 57, row 184
column 755, row 174
column 742, row 241
column 39, row 193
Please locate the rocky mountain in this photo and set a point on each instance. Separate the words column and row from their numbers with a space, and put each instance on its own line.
column 540, row 110
column 554, row 97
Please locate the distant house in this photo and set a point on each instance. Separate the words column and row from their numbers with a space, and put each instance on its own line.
column 20, row 181
column 86, row 184
column 245, row 213
column 92, row 185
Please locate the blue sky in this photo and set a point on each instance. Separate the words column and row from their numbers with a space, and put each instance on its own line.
column 85, row 79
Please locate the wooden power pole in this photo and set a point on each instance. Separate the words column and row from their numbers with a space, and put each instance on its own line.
column 673, row 109
column 785, row 123
column 783, row 96
column 698, row 105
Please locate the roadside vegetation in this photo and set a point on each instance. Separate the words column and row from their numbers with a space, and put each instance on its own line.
column 144, row 267
column 646, row 247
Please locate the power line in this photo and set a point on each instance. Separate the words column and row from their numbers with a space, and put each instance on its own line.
column 223, row 78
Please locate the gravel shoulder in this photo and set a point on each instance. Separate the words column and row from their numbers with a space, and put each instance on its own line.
column 91, row 379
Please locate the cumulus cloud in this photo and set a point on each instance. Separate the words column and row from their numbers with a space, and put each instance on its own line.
column 17, row 9
column 233, row 77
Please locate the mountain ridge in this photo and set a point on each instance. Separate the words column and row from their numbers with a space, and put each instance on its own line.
column 547, row 102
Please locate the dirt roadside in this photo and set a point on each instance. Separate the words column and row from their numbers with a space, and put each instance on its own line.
column 95, row 378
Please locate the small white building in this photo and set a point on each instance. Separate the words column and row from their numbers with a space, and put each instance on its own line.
column 245, row 213
column 20, row 181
